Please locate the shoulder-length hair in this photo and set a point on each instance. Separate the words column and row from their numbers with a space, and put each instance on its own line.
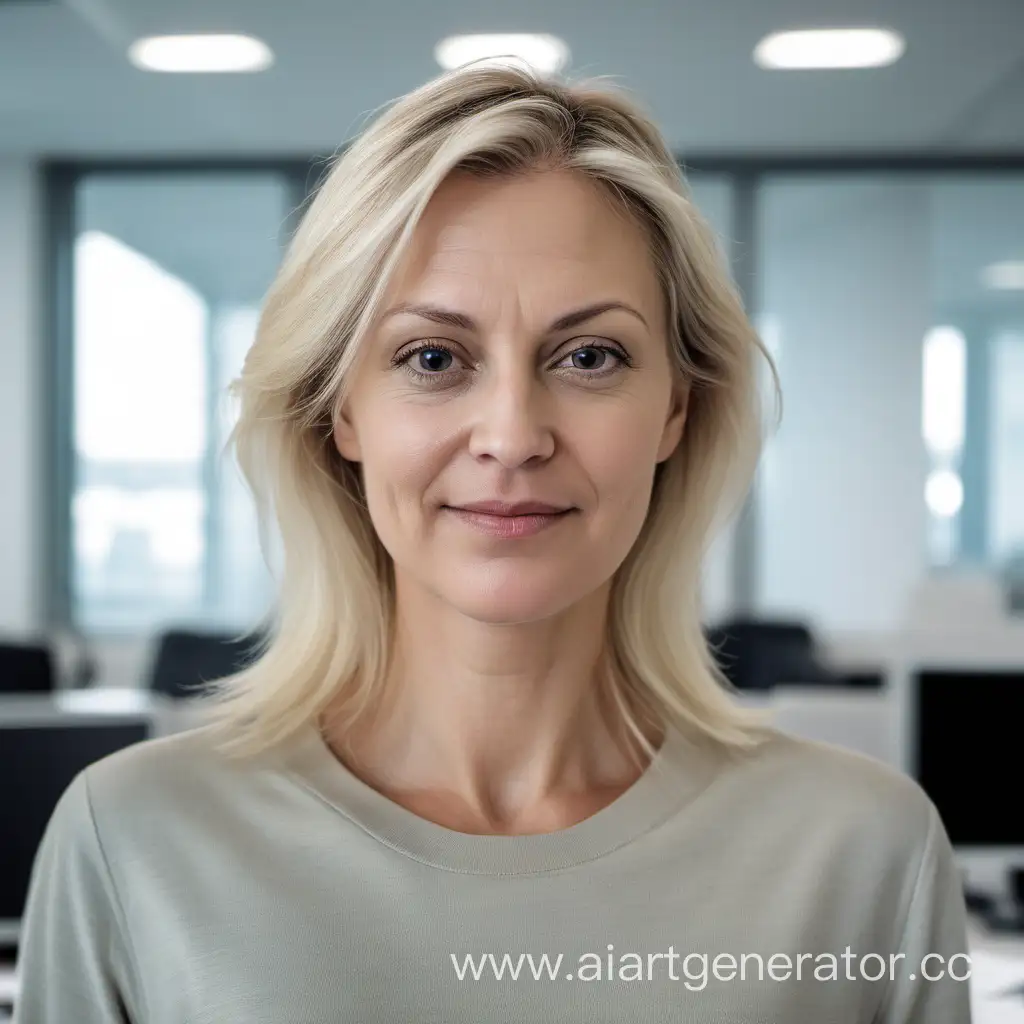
column 327, row 642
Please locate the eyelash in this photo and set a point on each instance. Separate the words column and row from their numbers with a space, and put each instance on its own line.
column 432, row 346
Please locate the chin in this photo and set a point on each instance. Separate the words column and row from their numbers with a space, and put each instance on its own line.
column 511, row 597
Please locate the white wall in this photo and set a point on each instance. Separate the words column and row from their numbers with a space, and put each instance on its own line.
column 846, row 295
column 21, row 448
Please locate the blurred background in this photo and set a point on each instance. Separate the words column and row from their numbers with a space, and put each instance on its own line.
column 867, row 188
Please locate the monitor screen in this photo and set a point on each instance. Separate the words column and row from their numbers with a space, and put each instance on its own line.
column 44, row 758
column 967, row 727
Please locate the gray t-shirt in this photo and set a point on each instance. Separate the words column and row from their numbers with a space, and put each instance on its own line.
column 175, row 887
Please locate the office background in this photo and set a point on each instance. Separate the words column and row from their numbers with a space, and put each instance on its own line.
column 868, row 216
column 873, row 219
column 898, row 462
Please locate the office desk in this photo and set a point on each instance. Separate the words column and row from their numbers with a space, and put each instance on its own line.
column 997, row 972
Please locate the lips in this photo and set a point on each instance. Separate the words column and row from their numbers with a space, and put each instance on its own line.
column 516, row 508
column 509, row 528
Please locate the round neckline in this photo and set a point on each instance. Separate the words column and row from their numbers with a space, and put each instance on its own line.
column 677, row 772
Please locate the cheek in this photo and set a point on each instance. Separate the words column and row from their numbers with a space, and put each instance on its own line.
column 620, row 453
column 401, row 453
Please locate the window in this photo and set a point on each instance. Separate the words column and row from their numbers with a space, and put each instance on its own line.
column 944, row 399
column 892, row 300
column 1006, row 448
column 168, row 272
column 897, row 317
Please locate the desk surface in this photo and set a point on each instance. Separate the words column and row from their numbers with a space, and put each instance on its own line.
column 997, row 973
column 93, row 701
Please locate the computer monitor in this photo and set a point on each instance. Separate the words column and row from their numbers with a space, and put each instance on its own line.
column 966, row 751
column 44, row 744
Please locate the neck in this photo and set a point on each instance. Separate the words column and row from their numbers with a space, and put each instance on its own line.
column 495, row 726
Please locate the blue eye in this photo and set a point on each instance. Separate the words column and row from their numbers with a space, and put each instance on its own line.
column 435, row 359
column 433, row 353
column 429, row 357
column 604, row 352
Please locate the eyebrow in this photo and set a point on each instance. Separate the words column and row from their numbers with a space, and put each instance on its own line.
column 453, row 318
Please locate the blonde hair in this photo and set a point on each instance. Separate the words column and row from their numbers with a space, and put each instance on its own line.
column 329, row 639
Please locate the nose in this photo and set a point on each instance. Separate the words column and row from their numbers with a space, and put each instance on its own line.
column 513, row 418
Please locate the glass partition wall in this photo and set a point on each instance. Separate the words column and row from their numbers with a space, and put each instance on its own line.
column 892, row 299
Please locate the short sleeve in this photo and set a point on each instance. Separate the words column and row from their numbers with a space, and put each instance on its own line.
column 72, row 960
column 931, row 984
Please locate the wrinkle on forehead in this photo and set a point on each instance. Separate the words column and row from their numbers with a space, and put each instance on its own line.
column 555, row 230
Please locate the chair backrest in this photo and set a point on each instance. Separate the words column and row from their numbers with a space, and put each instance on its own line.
column 26, row 668
column 187, row 661
column 759, row 654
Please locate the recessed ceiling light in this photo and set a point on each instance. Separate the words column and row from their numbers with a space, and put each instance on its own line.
column 830, row 48
column 200, row 53
column 1008, row 276
column 544, row 53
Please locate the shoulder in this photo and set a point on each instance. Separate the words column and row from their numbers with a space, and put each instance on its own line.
column 833, row 795
column 182, row 773
column 190, row 750
column 133, row 799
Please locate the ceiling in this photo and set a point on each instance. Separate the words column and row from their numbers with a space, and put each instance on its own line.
column 67, row 89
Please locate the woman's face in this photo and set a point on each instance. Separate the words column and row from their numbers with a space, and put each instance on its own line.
column 492, row 400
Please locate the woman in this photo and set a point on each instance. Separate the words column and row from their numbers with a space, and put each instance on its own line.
column 501, row 395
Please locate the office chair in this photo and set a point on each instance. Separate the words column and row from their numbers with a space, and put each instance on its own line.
column 26, row 668
column 758, row 654
column 186, row 661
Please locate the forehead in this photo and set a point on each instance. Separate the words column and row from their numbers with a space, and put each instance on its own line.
column 528, row 229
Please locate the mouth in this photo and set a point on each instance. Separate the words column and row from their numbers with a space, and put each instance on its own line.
column 508, row 526
column 512, row 508
column 532, row 514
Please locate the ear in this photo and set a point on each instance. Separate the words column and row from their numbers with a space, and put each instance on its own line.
column 346, row 440
column 673, row 432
